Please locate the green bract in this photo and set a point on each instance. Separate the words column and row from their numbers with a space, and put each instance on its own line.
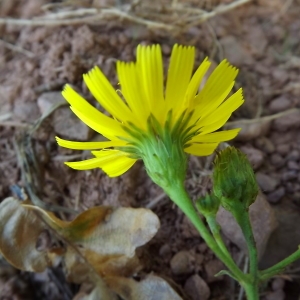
column 234, row 181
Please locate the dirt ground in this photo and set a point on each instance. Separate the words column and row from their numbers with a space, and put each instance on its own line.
column 262, row 38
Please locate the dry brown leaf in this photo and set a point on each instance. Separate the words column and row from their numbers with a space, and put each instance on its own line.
column 107, row 237
column 19, row 231
column 107, row 230
column 151, row 288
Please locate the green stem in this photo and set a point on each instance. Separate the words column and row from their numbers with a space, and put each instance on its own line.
column 245, row 224
column 279, row 267
column 215, row 230
column 180, row 197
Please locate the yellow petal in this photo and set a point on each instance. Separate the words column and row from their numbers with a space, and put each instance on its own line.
column 201, row 149
column 105, row 157
column 195, row 82
column 131, row 87
column 88, row 145
column 112, row 162
column 217, row 88
column 179, row 75
column 91, row 116
column 119, row 166
column 86, row 164
column 224, row 111
column 102, row 90
column 150, row 68
column 220, row 136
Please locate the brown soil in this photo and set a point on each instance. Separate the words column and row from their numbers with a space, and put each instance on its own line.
column 261, row 38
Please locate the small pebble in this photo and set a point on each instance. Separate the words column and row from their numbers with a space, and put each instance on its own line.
column 283, row 149
column 278, row 284
column 265, row 145
column 197, row 288
column 255, row 156
column 277, row 295
column 279, row 104
column 266, row 182
column 212, row 268
column 276, row 196
column 293, row 165
column 289, row 175
column 293, row 155
column 182, row 263
column 277, row 160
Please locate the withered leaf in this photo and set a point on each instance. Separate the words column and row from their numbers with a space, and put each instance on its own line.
column 107, row 237
column 107, row 230
column 19, row 231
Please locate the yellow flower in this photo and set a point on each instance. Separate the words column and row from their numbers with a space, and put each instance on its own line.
column 144, row 112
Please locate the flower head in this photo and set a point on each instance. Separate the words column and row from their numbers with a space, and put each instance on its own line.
column 151, row 122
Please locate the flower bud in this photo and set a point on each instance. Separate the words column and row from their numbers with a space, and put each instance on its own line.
column 234, row 181
column 208, row 205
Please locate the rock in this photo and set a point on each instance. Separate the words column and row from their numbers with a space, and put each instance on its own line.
column 67, row 125
column 256, row 40
column 196, row 288
column 182, row 263
column 283, row 149
column 263, row 223
column 287, row 122
column 212, row 268
column 234, row 51
column 292, row 165
column 277, row 160
column 278, row 284
column 294, row 155
column 289, row 175
column 276, row 196
column 251, row 131
column 286, row 237
column 46, row 100
column 255, row 156
column 279, row 104
column 265, row 145
column 26, row 111
column 266, row 182
column 277, row 295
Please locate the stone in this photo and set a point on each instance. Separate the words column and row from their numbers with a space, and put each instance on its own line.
column 26, row 111
column 234, row 51
column 285, row 239
column 287, row 122
column 182, row 263
column 265, row 145
column 255, row 156
column 196, row 288
column 277, row 160
column 266, row 182
column 292, row 165
column 67, row 125
column 278, row 284
column 212, row 268
column 277, row 295
column 279, row 104
column 46, row 100
column 283, row 149
column 293, row 155
column 276, row 196
column 263, row 223
column 289, row 175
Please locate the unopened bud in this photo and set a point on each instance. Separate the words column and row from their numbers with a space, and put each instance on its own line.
column 234, row 180
column 208, row 205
